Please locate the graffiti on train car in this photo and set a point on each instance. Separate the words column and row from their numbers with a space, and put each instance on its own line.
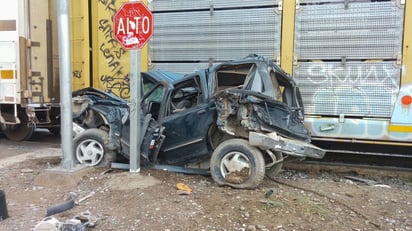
column 120, row 85
column 349, row 93
column 112, row 72
column 356, row 74
column 110, row 5
column 356, row 88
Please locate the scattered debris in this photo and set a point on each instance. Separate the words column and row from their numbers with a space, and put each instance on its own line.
column 107, row 171
column 121, row 166
column 367, row 181
column 269, row 193
column 72, row 224
column 85, row 197
column 49, row 224
column 80, row 222
column 183, row 187
column 382, row 186
column 60, row 207
column 3, row 206
column 271, row 203
column 362, row 180
column 27, row 170
column 87, row 218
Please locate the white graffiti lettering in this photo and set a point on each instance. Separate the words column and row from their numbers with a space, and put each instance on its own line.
column 363, row 73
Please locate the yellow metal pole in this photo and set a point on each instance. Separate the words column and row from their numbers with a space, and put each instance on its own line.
column 79, row 21
column 144, row 52
column 288, row 33
column 407, row 45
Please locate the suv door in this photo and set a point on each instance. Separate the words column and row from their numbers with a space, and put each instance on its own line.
column 189, row 116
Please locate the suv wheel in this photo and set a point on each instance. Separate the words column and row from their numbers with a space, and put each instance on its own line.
column 90, row 148
column 237, row 164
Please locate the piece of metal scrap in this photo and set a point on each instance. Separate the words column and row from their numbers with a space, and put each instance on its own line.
column 288, row 146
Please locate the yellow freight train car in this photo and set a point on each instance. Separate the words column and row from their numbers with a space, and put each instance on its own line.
column 29, row 82
column 351, row 59
column 29, row 72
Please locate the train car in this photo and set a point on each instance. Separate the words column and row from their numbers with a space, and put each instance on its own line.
column 29, row 84
column 29, row 72
column 350, row 58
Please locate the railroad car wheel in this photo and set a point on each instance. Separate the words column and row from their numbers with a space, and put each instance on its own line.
column 22, row 131
column 275, row 169
column 90, row 148
column 237, row 164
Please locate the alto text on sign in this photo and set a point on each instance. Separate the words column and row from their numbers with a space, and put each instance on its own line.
column 133, row 25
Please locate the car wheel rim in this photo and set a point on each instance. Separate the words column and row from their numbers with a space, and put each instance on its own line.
column 89, row 152
column 235, row 167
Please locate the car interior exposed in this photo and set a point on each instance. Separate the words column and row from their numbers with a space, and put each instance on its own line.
column 185, row 95
column 232, row 76
column 236, row 76
column 152, row 97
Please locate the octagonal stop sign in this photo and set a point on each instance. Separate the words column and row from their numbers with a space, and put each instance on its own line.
column 133, row 25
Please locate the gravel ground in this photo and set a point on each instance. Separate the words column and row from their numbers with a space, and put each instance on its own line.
column 119, row 200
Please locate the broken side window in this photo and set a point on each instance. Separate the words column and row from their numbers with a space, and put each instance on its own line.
column 232, row 76
column 277, row 91
column 262, row 79
column 185, row 95
column 153, row 96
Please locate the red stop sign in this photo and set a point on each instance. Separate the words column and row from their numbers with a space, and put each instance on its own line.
column 133, row 25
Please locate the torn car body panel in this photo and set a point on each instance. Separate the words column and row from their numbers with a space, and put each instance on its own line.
column 93, row 108
column 293, row 147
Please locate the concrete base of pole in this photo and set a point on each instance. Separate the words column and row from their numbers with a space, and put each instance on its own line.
column 62, row 178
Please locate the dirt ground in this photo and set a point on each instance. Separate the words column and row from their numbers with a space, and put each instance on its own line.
column 119, row 200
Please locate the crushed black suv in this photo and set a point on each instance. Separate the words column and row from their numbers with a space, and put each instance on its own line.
column 238, row 120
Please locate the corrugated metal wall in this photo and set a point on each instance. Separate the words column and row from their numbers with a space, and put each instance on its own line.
column 347, row 55
column 190, row 34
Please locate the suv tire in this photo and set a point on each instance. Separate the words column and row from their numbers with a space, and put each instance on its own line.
column 237, row 164
column 90, row 148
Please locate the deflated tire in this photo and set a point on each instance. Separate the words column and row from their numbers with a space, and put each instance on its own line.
column 237, row 164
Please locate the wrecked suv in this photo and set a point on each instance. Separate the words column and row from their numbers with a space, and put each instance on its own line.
column 238, row 120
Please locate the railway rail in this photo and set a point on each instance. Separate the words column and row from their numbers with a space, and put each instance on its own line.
column 393, row 160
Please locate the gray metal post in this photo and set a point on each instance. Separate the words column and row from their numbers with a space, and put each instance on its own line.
column 63, row 21
column 135, row 110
